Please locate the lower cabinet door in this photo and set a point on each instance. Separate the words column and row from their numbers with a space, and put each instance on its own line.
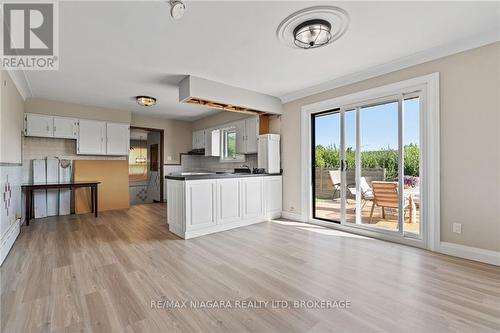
column 228, row 200
column 200, row 204
column 253, row 203
column 273, row 196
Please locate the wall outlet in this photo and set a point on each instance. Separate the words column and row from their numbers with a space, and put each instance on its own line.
column 457, row 228
column 169, row 158
column 292, row 208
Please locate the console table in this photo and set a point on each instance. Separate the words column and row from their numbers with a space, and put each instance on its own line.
column 30, row 187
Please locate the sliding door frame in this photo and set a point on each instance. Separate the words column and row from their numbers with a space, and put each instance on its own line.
column 428, row 88
column 313, row 159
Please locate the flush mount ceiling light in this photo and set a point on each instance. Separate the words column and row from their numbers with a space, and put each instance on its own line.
column 312, row 33
column 146, row 100
column 313, row 27
column 177, row 9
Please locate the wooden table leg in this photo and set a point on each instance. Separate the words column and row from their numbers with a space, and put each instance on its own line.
column 95, row 200
column 28, row 204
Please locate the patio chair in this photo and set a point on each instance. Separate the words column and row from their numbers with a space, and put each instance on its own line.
column 366, row 191
column 336, row 180
column 385, row 195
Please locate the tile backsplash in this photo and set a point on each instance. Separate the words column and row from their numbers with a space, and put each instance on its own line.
column 41, row 148
column 208, row 163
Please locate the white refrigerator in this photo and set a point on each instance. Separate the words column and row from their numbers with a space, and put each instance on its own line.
column 269, row 153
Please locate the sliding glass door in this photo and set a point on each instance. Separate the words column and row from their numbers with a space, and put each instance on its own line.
column 366, row 165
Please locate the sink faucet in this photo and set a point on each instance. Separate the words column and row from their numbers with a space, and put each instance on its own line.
column 246, row 166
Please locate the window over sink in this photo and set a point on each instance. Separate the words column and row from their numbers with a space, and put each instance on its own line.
column 228, row 143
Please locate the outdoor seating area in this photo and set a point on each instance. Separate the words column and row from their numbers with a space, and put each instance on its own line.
column 379, row 201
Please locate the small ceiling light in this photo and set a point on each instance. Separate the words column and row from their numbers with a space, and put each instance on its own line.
column 146, row 100
column 177, row 9
column 313, row 33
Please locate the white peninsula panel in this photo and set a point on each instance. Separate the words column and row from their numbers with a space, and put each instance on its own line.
column 204, row 206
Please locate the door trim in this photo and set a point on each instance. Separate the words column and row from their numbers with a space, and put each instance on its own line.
column 428, row 85
column 163, row 196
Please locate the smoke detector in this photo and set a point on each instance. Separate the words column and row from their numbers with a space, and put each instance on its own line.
column 177, row 9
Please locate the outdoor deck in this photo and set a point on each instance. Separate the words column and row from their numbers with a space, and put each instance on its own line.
column 330, row 209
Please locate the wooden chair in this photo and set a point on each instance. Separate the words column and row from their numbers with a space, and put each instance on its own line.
column 385, row 195
column 336, row 181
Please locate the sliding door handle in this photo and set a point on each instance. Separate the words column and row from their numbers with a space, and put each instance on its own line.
column 344, row 165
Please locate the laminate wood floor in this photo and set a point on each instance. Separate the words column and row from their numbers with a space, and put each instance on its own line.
column 78, row 273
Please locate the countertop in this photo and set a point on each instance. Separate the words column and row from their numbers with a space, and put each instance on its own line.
column 202, row 175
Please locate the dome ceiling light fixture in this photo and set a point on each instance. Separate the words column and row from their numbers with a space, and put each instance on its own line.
column 145, row 100
column 312, row 34
column 313, row 27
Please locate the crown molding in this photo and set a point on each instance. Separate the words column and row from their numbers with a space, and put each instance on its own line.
column 491, row 36
column 21, row 82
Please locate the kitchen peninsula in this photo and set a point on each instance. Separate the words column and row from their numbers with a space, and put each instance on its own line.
column 204, row 203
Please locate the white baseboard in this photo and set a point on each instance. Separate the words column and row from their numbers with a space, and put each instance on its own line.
column 469, row 252
column 274, row 215
column 9, row 239
column 213, row 229
column 293, row 216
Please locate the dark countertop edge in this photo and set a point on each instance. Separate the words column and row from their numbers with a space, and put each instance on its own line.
column 221, row 176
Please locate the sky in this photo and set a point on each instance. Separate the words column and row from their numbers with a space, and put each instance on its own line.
column 379, row 127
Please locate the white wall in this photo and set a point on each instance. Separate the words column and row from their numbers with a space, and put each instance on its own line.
column 177, row 135
column 65, row 109
column 11, row 125
column 11, row 120
column 470, row 142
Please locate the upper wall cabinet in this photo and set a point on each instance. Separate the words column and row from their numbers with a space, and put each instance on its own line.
column 117, row 139
column 199, row 139
column 252, row 134
column 38, row 125
column 212, row 142
column 65, row 128
column 91, row 137
column 247, row 134
column 50, row 126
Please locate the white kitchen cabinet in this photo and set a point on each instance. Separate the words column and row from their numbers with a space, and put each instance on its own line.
column 253, row 203
column 247, row 134
column 212, row 142
column 201, row 207
column 251, row 135
column 117, row 139
column 200, row 204
column 240, row 137
column 228, row 200
column 176, row 206
column 273, row 196
column 194, row 143
column 199, row 139
column 91, row 137
column 65, row 128
column 38, row 125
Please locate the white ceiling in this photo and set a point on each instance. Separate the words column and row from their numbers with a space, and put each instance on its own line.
column 113, row 51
